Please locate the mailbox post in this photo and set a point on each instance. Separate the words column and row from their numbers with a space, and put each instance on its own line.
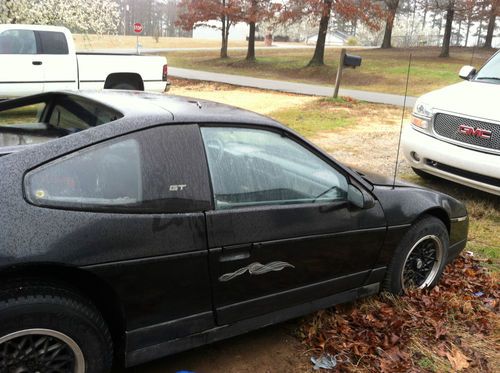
column 346, row 60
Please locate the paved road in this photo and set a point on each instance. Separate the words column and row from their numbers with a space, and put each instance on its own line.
column 291, row 87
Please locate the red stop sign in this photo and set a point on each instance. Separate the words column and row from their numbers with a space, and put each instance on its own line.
column 138, row 27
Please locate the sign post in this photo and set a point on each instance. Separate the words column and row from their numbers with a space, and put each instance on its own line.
column 138, row 30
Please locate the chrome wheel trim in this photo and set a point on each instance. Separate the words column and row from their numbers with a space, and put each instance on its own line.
column 79, row 360
column 436, row 265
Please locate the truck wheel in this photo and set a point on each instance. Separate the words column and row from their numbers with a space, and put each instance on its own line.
column 124, row 86
column 49, row 329
column 419, row 260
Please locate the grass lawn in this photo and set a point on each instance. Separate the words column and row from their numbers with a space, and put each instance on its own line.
column 381, row 70
column 91, row 41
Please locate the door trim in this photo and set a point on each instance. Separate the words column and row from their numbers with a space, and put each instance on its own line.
column 253, row 307
column 169, row 347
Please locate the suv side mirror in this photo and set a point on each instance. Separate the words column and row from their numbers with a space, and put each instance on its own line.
column 359, row 198
column 467, row 72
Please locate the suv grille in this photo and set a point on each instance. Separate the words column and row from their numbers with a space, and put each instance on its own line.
column 448, row 126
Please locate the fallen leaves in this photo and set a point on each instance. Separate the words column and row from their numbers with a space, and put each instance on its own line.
column 377, row 333
column 457, row 359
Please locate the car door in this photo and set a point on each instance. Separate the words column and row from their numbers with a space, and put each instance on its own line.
column 59, row 65
column 282, row 232
column 20, row 72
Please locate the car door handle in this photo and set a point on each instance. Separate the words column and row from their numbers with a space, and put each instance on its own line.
column 235, row 252
column 36, row 62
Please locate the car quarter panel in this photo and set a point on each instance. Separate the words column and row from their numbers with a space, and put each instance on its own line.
column 403, row 205
column 155, row 262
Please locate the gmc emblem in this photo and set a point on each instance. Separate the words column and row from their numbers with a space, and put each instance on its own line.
column 476, row 132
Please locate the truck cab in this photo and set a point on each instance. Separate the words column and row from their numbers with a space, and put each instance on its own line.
column 39, row 58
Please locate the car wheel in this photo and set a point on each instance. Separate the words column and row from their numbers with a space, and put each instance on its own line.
column 424, row 175
column 124, row 86
column 419, row 260
column 49, row 329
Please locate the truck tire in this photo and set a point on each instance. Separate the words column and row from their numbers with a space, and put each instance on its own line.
column 420, row 257
column 38, row 319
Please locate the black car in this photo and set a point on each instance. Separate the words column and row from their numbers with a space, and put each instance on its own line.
column 135, row 225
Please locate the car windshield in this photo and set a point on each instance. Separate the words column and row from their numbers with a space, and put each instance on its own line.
column 491, row 71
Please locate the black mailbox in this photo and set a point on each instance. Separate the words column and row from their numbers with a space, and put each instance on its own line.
column 352, row 61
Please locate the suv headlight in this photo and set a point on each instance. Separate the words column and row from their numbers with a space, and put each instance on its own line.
column 422, row 115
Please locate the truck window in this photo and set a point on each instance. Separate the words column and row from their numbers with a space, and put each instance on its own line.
column 53, row 42
column 17, row 42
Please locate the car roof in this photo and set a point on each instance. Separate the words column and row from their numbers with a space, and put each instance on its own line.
column 176, row 109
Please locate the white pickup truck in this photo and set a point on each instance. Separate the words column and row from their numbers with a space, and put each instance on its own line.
column 36, row 59
column 455, row 131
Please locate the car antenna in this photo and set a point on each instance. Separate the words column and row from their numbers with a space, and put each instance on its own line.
column 402, row 119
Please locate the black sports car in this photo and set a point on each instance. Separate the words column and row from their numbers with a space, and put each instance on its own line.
column 136, row 225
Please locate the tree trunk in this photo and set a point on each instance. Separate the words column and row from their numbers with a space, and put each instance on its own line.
column 251, row 43
column 445, row 49
column 425, row 14
column 318, row 58
column 251, row 32
column 469, row 22
column 459, row 34
column 491, row 27
column 389, row 24
column 223, row 49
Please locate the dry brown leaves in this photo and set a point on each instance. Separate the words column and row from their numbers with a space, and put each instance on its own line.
column 378, row 334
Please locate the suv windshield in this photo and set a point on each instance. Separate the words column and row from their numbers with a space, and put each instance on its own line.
column 491, row 71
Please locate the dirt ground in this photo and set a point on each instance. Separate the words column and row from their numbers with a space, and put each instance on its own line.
column 270, row 350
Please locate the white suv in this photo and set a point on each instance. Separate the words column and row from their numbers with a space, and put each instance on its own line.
column 455, row 131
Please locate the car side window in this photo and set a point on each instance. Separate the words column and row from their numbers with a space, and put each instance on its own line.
column 250, row 167
column 17, row 42
column 147, row 171
column 53, row 42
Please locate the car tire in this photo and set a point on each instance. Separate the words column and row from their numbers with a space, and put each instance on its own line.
column 38, row 319
column 124, row 86
column 424, row 175
column 419, row 259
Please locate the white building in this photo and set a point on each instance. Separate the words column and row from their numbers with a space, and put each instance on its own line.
column 332, row 38
column 212, row 31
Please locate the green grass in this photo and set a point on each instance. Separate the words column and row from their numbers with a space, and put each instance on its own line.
column 310, row 119
column 381, row 70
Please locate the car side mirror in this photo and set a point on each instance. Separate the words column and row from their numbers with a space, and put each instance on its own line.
column 467, row 72
column 359, row 198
